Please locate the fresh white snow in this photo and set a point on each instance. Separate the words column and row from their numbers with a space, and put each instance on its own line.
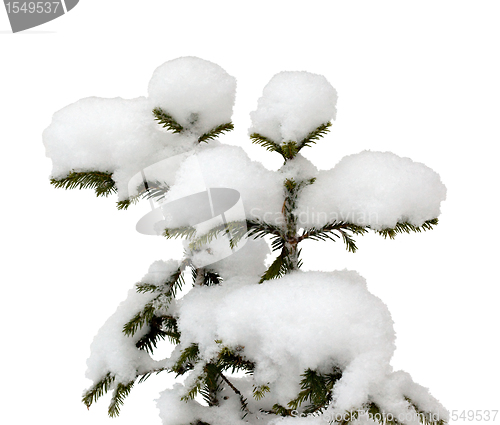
column 376, row 189
column 197, row 93
column 293, row 104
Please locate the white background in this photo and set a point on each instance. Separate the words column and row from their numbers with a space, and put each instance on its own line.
column 420, row 79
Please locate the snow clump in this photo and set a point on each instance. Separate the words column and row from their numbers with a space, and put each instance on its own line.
column 121, row 137
column 376, row 189
column 199, row 94
column 260, row 189
column 313, row 320
column 293, row 104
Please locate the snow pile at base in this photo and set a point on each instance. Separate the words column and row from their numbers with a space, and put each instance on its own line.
column 122, row 137
column 304, row 320
column 260, row 190
column 197, row 93
column 376, row 189
column 114, row 352
column 293, row 104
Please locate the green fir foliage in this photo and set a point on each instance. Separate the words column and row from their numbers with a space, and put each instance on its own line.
column 119, row 394
column 406, row 227
column 98, row 390
column 260, row 391
column 125, row 203
column 167, row 121
column 148, row 190
column 233, row 360
column 180, row 232
column 159, row 329
column 216, row 132
column 140, row 319
column 212, row 385
column 279, row 410
column 336, row 230
column 316, row 390
column 288, row 150
column 315, row 135
column 101, row 182
column 280, row 266
column 166, row 292
column 186, row 360
column 195, row 388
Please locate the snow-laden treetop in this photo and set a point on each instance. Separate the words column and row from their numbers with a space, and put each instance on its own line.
column 315, row 347
column 292, row 105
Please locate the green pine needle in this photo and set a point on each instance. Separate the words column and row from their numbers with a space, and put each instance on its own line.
column 182, row 232
column 194, row 390
column 265, row 142
column 98, row 390
column 260, row 392
column 337, row 230
column 125, row 203
column 281, row 411
column 139, row 320
column 186, row 360
column 406, row 227
column 233, row 360
column 148, row 190
column 101, row 182
column 159, row 329
column 167, row 121
column 277, row 269
column 290, row 149
column 313, row 389
column 315, row 135
column 216, row 132
column 119, row 395
column 166, row 291
column 317, row 389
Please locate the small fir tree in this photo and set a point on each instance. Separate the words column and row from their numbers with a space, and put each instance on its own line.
column 252, row 344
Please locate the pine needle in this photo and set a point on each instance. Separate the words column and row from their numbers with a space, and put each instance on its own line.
column 215, row 132
column 167, row 121
column 101, row 182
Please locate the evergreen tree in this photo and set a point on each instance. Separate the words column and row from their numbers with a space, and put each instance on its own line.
column 253, row 344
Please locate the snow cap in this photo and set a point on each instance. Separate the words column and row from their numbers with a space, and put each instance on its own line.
column 293, row 104
column 195, row 92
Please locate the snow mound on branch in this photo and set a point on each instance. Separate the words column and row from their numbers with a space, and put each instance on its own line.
column 304, row 320
column 121, row 137
column 376, row 189
column 260, row 190
column 191, row 90
column 293, row 104
column 113, row 351
column 118, row 136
